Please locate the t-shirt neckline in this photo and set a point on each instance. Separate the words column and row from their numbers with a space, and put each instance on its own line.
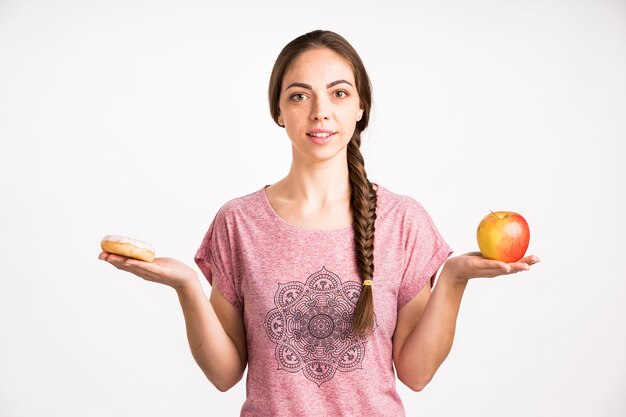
column 299, row 229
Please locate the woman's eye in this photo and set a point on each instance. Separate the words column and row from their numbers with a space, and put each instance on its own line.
column 298, row 97
column 340, row 94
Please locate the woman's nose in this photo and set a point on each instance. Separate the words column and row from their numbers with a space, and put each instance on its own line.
column 320, row 109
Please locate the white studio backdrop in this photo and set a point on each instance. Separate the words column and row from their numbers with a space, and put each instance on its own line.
column 142, row 118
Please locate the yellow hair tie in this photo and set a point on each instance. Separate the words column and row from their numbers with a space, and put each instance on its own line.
column 367, row 282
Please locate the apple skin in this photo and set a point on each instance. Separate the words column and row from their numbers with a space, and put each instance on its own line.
column 503, row 236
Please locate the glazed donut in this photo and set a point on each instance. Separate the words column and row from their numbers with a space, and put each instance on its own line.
column 126, row 246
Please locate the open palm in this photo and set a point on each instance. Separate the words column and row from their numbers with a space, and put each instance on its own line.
column 168, row 271
column 474, row 265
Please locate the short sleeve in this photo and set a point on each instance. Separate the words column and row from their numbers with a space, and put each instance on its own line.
column 425, row 251
column 215, row 259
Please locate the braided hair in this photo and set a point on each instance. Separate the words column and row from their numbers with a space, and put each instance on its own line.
column 363, row 195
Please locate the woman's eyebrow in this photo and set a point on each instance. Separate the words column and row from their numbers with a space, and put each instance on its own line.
column 308, row 86
column 338, row 82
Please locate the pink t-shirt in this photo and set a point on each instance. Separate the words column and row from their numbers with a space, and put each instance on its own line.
column 296, row 289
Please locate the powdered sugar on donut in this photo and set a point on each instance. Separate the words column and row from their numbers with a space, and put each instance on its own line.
column 123, row 239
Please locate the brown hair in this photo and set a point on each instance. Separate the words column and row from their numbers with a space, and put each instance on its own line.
column 363, row 195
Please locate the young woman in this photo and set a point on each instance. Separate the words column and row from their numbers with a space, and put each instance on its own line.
column 322, row 282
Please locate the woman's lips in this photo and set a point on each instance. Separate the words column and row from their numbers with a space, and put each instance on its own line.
column 320, row 139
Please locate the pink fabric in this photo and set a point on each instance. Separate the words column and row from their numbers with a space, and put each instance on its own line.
column 297, row 288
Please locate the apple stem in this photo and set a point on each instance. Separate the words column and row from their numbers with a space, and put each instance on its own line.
column 494, row 214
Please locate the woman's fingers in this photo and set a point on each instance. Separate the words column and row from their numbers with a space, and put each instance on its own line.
column 168, row 271
column 524, row 263
column 494, row 268
column 474, row 265
column 140, row 268
column 119, row 260
column 530, row 260
column 493, row 264
column 519, row 265
column 112, row 258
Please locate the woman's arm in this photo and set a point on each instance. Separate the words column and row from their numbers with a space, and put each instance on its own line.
column 216, row 335
column 426, row 325
column 423, row 341
column 215, row 329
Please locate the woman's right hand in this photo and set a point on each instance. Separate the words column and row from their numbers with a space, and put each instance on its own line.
column 168, row 271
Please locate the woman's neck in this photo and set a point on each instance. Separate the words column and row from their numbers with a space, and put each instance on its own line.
column 316, row 185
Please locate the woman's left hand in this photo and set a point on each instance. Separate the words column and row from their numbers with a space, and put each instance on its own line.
column 474, row 265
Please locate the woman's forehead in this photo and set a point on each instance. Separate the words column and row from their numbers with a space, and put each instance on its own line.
column 318, row 66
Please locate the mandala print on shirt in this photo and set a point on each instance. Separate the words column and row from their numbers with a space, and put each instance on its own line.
column 312, row 327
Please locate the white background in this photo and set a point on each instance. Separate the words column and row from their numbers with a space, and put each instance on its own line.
column 142, row 118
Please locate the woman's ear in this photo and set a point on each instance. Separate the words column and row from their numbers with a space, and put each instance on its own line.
column 359, row 115
column 280, row 121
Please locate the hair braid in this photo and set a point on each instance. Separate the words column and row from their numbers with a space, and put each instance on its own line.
column 363, row 204
column 363, row 195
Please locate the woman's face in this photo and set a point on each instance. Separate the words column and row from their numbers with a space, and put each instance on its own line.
column 319, row 104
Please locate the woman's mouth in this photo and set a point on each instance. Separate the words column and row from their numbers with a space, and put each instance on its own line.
column 320, row 138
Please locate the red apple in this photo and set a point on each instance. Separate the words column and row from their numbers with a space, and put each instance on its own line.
column 504, row 236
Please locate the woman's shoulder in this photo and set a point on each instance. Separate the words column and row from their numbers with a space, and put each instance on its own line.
column 402, row 209
column 243, row 205
column 397, row 201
